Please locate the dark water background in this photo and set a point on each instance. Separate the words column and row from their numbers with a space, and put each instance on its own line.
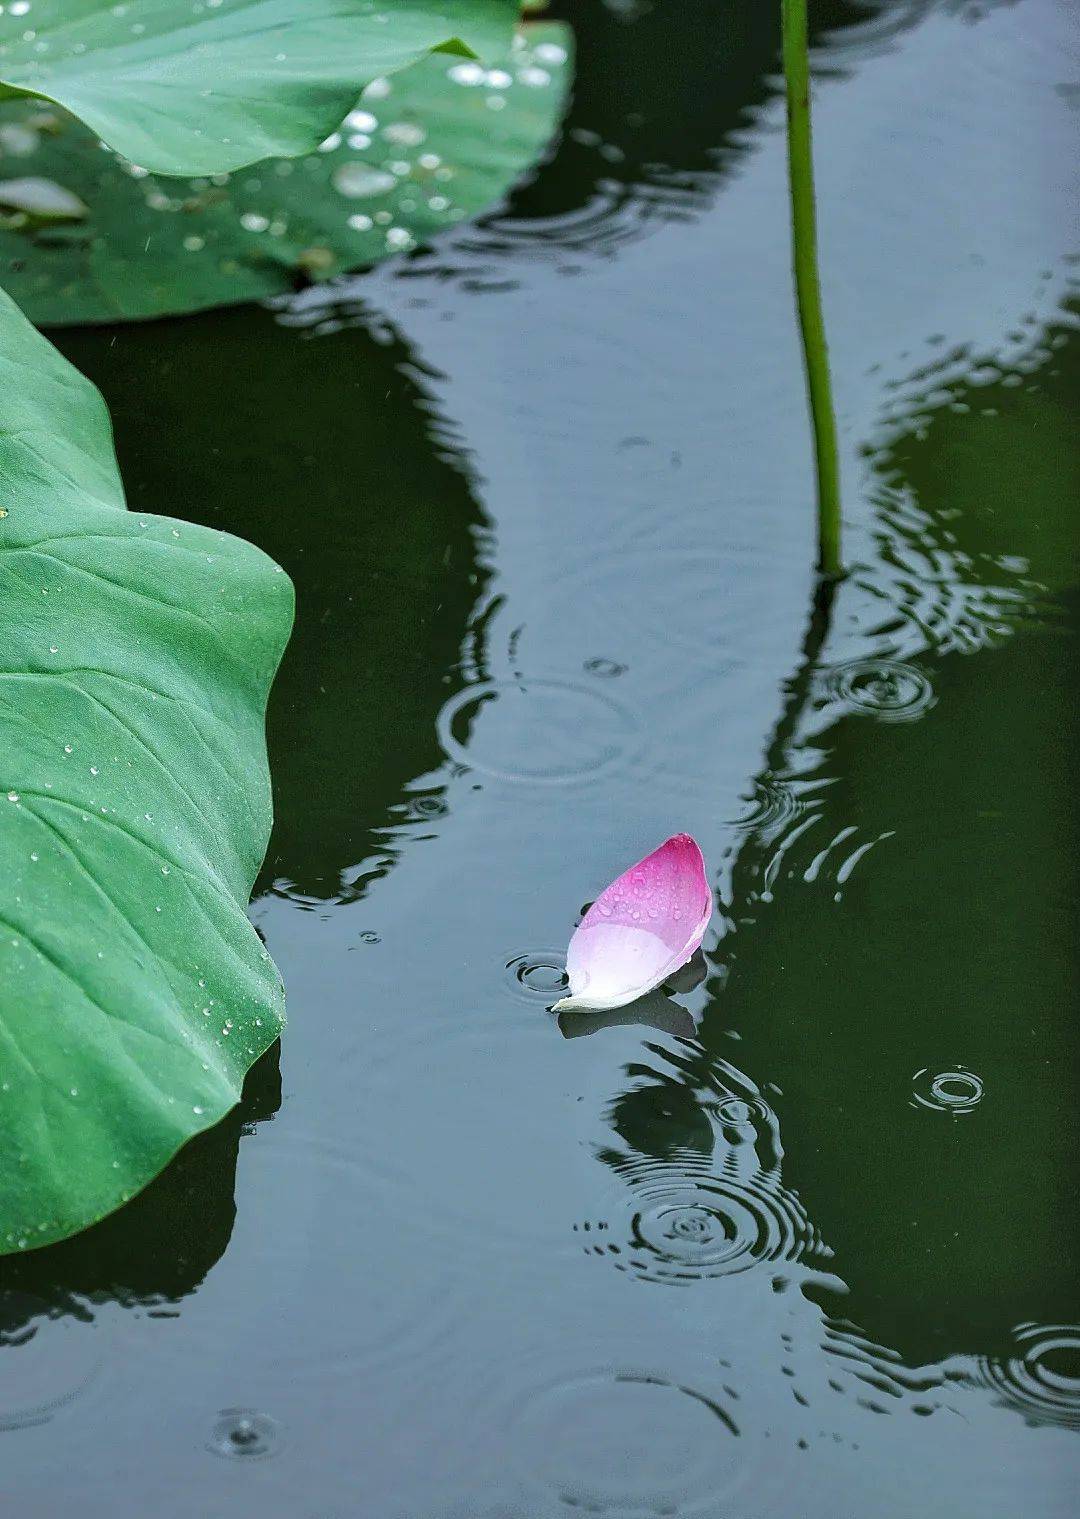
column 801, row 1243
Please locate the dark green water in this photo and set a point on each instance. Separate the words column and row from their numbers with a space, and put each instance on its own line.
column 545, row 494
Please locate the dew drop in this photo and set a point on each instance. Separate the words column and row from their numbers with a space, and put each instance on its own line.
column 358, row 181
column 406, row 134
column 466, row 73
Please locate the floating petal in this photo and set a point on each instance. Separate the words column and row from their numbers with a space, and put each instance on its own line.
column 641, row 928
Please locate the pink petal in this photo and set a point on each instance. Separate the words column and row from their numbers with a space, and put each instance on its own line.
column 641, row 928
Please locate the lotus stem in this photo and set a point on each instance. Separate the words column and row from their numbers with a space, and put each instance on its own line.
column 808, row 283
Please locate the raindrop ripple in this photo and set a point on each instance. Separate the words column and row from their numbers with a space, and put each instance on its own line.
column 243, row 1435
column 1041, row 1380
column 886, row 689
column 538, row 976
column 537, row 732
column 683, row 1229
column 957, row 1091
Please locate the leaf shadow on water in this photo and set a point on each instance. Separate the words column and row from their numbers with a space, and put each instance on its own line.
column 159, row 1247
column 953, row 944
column 386, row 585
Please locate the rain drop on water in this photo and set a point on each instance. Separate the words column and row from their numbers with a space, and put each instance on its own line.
column 241, row 1433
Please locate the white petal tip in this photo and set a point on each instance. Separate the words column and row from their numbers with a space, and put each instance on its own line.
column 585, row 1004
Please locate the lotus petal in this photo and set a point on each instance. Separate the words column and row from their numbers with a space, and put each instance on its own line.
column 641, row 928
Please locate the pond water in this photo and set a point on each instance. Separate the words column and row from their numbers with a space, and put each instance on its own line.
column 800, row 1240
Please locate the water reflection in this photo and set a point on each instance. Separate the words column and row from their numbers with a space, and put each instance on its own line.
column 934, row 1263
column 655, row 1011
column 934, row 1270
column 374, row 519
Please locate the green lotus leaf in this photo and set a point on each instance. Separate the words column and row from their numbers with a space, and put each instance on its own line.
column 437, row 143
column 137, row 656
column 204, row 86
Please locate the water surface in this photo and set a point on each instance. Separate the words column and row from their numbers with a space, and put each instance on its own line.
column 801, row 1239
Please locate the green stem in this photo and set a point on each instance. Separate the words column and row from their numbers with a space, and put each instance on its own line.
column 808, row 284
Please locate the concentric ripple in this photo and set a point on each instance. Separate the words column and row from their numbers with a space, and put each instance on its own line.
column 243, row 1435
column 541, row 732
column 45, row 1361
column 738, row 1116
column 629, row 1421
column 422, row 808
column 956, row 1091
column 770, row 804
column 538, row 976
column 626, row 1443
column 886, row 689
column 706, row 1227
column 1042, row 1379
